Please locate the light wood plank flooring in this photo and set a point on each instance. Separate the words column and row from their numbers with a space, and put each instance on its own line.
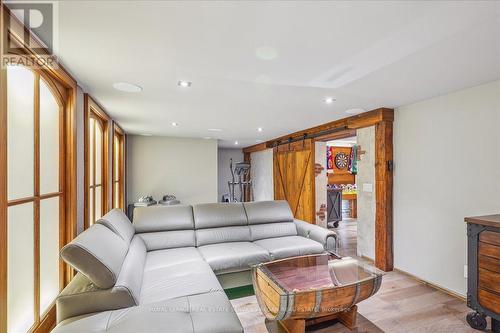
column 403, row 304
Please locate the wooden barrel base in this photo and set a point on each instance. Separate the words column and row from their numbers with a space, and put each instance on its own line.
column 348, row 318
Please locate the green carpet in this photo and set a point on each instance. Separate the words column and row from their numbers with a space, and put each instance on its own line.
column 239, row 292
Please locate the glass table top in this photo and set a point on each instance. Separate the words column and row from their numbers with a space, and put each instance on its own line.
column 314, row 272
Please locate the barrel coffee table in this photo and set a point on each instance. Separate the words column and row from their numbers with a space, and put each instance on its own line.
column 306, row 290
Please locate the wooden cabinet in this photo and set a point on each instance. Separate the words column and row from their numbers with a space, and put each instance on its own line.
column 483, row 283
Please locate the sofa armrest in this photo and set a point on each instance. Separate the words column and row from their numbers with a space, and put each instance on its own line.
column 325, row 237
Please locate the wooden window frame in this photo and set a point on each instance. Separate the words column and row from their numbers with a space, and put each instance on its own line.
column 120, row 134
column 94, row 110
column 64, row 88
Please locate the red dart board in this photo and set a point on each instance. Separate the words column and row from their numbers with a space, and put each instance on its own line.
column 341, row 161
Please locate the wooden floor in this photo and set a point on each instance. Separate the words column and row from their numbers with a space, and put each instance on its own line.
column 403, row 304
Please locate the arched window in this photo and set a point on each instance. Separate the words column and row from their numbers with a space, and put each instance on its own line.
column 96, row 167
column 35, row 196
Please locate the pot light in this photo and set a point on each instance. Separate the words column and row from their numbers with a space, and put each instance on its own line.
column 259, row 141
column 215, row 129
column 266, row 53
column 260, row 129
column 127, row 87
column 146, row 134
column 207, row 137
column 175, row 124
column 236, row 143
column 184, row 84
column 329, row 100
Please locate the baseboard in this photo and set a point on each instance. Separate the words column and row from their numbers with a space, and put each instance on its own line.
column 368, row 259
column 445, row 290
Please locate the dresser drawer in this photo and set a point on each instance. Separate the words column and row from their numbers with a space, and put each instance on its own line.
column 489, row 300
column 489, row 250
column 490, row 237
column 489, row 263
column 489, row 280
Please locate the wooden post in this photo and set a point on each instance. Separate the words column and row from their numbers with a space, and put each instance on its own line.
column 383, row 195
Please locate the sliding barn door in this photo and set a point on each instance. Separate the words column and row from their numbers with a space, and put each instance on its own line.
column 294, row 177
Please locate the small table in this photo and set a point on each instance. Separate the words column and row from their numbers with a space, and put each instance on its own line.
column 306, row 290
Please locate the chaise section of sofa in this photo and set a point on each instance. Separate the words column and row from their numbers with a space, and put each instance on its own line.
column 163, row 283
column 164, row 271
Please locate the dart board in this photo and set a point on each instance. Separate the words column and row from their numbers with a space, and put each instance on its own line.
column 341, row 161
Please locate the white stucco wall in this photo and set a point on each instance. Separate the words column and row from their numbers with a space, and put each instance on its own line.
column 366, row 200
column 262, row 175
column 447, row 167
column 184, row 167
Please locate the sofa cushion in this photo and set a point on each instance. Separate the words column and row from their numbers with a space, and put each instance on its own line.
column 81, row 297
column 168, row 257
column 168, row 316
column 163, row 218
column 270, row 230
column 219, row 215
column 97, row 253
column 213, row 313
column 268, row 211
column 222, row 235
column 203, row 313
column 132, row 271
column 168, row 239
column 178, row 280
column 284, row 247
column 233, row 257
column 118, row 222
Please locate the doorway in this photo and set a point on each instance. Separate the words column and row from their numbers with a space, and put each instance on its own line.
column 379, row 124
column 345, row 189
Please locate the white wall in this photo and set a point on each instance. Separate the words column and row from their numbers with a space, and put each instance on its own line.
column 447, row 167
column 261, row 173
column 321, row 181
column 224, row 173
column 184, row 167
column 366, row 200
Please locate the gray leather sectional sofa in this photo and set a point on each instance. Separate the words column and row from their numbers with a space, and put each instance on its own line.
column 166, row 271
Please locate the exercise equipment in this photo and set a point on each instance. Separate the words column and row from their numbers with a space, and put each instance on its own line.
column 242, row 171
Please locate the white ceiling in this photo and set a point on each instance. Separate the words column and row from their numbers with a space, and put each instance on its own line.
column 365, row 54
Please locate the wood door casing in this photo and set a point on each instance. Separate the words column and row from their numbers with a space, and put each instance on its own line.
column 293, row 175
column 382, row 119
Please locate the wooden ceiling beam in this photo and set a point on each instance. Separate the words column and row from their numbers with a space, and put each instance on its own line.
column 365, row 119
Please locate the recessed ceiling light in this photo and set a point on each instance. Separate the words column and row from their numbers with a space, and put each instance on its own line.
column 329, row 100
column 127, row 87
column 175, row 124
column 266, row 53
column 260, row 129
column 146, row 134
column 184, row 84
column 259, row 141
column 215, row 129
column 355, row 111
column 207, row 137
column 236, row 143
